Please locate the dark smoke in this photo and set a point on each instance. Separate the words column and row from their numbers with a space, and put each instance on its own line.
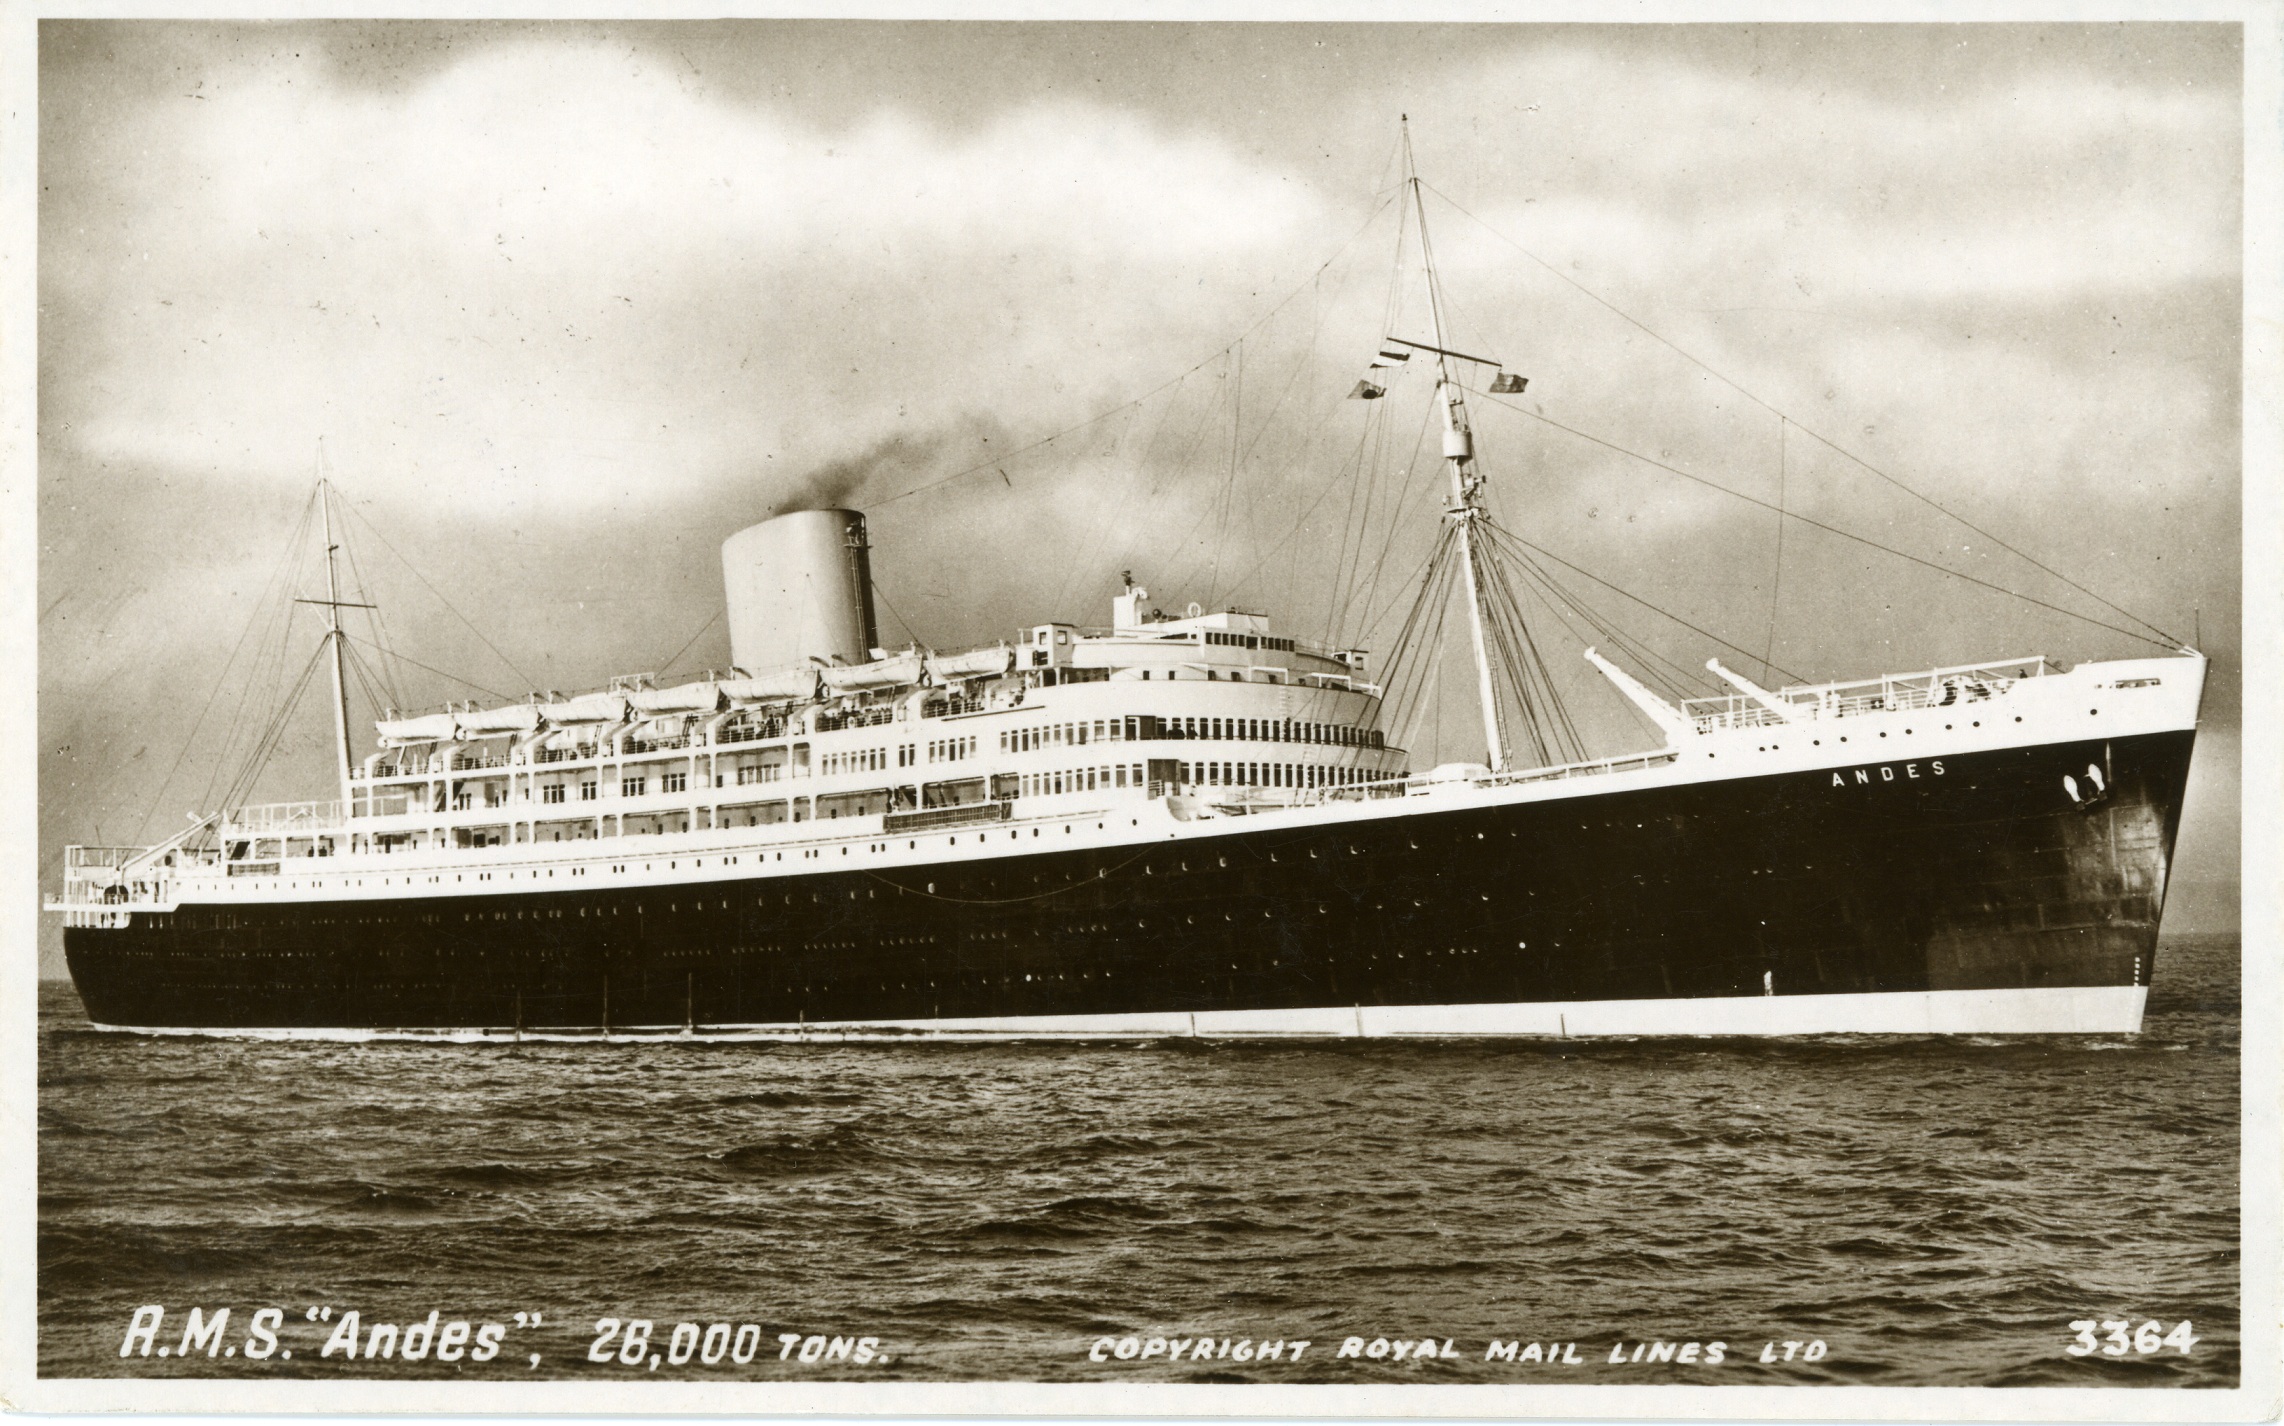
column 887, row 467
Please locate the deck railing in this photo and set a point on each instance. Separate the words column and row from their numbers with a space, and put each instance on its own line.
column 1406, row 786
column 751, row 732
column 285, row 819
column 953, row 706
column 76, row 858
column 99, row 877
column 872, row 717
column 1890, row 693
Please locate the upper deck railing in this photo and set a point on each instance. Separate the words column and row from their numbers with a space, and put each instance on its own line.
column 123, row 878
column 284, row 819
column 1429, row 782
column 1890, row 693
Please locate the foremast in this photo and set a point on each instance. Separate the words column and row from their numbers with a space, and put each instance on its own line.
column 1465, row 510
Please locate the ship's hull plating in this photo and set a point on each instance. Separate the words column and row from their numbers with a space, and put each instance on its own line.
column 1890, row 898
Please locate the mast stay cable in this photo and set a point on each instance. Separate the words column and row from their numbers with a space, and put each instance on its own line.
column 521, row 676
column 1829, row 529
column 2164, row 639
column 1176, row 380
column 276, row 580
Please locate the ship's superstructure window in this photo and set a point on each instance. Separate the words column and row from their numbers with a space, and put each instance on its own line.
column 674, row 782
column 587, row 791
column 632, row 786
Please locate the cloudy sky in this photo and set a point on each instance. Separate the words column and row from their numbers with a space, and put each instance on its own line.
column 566, row 304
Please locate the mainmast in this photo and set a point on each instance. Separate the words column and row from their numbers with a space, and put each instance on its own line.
column 1466, row 507
column 333, row 636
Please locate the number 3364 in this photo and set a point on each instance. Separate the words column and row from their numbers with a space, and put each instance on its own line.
column 2120, row 1338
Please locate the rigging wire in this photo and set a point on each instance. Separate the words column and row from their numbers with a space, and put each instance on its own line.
column 373, row 619
column 1100, row 417
column 1545, row 713
column 1123, row 487
column 521, row 677
column 1343, row 590
column 710, row 623
column 1656, row 667
column 2164, row 639
column 267, row 662
column 1820, row 525
column 911, row 635
column 1776, row 567
column 1427, row 694
column 252, row 617
column 1331, row 482
column 258, row 756
column 365, row 676
column 1571, row 613
column 1413, row 483
column 1229, row 482
column 1197, row 439
column 1419, row 640
column 1506, row 534
column 431, row 668
column 1294, row 460
column 1295, row 454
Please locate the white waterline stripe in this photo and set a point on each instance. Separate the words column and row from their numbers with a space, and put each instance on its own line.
column 2063, row 1010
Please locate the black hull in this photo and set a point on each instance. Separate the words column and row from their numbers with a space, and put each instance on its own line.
column 1985, row 876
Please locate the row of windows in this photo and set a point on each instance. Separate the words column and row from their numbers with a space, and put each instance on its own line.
column 948, row 750
column 1270, row 730
column 1081, row 779
column 1249, row 641
column 1221, row 774
column 1256, row 730
column 1062, row 735
column 1212, row 774
column 856, row 760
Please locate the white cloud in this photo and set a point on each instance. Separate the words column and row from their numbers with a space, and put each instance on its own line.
column 553, row 270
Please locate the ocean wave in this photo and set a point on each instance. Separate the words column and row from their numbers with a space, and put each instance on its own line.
column 793, row 1155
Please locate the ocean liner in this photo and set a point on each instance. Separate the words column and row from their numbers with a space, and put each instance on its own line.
column 1188, row 824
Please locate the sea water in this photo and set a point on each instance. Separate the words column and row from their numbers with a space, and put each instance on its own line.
column 1899, row 1211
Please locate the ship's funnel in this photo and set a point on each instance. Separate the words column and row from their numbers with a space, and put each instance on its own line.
column 799, row 587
